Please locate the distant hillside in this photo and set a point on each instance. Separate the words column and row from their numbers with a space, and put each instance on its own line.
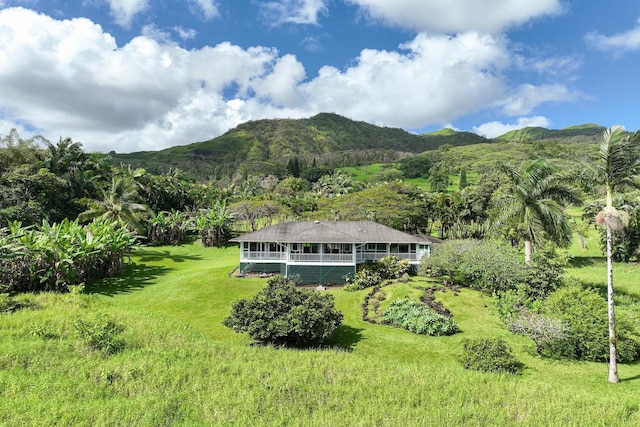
column 264, row 146
column 586, row 133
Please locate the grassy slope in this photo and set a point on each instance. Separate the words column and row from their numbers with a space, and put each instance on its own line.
column 182, row 367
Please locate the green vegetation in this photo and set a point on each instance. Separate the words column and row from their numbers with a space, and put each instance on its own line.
column 415, row 317
column 489, row 355
column 180, row 365
column 101, row 356
column 283, row 314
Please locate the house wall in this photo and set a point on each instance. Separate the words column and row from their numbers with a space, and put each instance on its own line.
column 320, row 273
column 263, row 267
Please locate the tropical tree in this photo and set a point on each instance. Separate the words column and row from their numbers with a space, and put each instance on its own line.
column 119, row 204
column 618, row 168
column 534, row 204
column 336, row 184
column 214, row 225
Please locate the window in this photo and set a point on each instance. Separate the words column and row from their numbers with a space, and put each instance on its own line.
column 310, row 248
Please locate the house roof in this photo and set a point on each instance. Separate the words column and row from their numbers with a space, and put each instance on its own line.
column 332, row 232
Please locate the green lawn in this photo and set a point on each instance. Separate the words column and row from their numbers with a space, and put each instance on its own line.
column 180, row 366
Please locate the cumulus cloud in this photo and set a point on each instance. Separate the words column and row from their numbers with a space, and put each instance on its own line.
column 627, row 41
column 454, row 16
column 70, row 78
column 435, row 79
column 123, row 11
column 494, row 129
column 293, row 11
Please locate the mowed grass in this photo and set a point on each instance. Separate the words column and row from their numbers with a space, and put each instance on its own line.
column 181, row 366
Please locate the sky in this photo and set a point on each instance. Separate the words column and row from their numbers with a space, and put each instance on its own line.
column 138, row 75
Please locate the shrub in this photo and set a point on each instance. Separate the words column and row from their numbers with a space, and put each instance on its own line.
column 491, row 267
column 417, row 318
column 6, row 303
column 100, row 333
column 489, row 355
column 494, row 268
column 368, row 275
column 545, row 332
column 284, row 314
column 587, row 338
column 446, row 258
column 391, row 267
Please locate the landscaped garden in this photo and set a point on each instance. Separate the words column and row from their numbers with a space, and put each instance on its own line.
column 150, row 348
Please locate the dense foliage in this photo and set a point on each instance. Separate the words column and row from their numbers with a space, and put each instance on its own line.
column 284, row 314
column 372, row 273
column 418, row 318
column 56, row 256
column 584, row 312
column 492, row 267
column 489, row 355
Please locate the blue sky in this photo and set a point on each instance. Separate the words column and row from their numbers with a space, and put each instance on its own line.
column 130, row 75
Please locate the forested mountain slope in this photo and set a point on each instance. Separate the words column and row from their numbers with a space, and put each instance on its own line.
column 264, row 147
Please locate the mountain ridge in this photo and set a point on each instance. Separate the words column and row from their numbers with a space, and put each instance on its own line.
column 264, row 146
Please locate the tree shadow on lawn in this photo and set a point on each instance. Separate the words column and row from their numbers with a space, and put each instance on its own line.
column 154, row 255
column 580, row 261
column 135, row 277
column 344, row 339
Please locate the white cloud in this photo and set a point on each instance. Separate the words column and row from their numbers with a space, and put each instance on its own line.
column 455, row 16
column 436, row 80
column 185, row 33
column 494, row 129
column 293, row 11
column 123, row 11
column 70, row 78
column 153, row 32
column 206, row 8
column 527, row 96
column 626, row 41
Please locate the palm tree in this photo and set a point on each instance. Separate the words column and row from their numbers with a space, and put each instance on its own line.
column 534, row 204
column 119, row 204
column 618, row 168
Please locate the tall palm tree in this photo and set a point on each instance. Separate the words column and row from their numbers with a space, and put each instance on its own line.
column 534, row 203
column 119, row 204
column 618, row 168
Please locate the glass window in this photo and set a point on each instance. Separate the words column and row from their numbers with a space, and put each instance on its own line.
column 310, row 248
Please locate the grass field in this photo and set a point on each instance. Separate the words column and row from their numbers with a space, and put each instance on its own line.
column 365, row 173
column 181, row 366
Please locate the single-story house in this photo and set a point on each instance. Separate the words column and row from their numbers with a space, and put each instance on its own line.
column 326, row 251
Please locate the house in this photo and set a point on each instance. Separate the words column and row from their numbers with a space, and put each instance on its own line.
column 326, row 251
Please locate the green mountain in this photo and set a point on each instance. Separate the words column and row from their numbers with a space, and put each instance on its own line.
column 586, row 133
column 264, row 146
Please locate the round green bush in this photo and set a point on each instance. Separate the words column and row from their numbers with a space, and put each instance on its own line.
column 284, row 314
column 489, row 355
